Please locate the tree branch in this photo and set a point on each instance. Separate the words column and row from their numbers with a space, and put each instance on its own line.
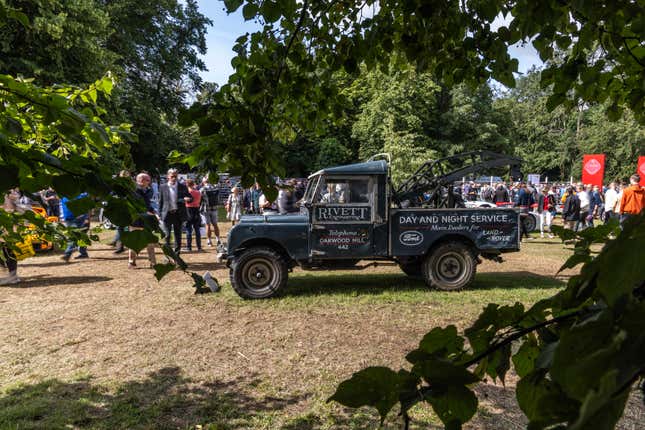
column 631, row 53
column 301, row 21
column 503, row 342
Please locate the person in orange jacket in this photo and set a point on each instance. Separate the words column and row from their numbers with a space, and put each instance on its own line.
column 632, row 202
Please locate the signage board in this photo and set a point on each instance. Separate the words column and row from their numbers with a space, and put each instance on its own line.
column 414, row 230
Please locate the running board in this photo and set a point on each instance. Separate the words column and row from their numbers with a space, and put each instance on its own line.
column 363, row 267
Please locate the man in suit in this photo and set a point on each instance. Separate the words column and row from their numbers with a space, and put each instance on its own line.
column 172, row 207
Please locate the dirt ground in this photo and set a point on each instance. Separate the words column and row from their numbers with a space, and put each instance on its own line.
column 94, row 327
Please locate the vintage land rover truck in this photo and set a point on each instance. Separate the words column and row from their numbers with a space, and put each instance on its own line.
column 352, row 213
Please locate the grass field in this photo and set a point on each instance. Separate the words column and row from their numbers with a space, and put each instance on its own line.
column 92, row 344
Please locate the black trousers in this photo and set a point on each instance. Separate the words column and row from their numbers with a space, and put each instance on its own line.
column 173, row 222
column 523, row 230
column 194, row 222
column 9, row 261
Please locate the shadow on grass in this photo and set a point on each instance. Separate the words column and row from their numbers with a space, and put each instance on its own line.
column 209, row 265
column 501, row 411
column 378, row 283
column 40, row 281
column 516, row 279
column 164, row 400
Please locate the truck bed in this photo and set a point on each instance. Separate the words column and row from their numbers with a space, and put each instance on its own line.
column 414, row 230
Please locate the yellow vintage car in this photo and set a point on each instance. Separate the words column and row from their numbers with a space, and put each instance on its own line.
column 38, row 242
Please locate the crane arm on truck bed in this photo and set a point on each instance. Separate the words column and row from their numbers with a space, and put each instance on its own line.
column 435, row 178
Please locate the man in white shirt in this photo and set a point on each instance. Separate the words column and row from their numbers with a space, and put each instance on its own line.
column 584, row 198
column 611, row 199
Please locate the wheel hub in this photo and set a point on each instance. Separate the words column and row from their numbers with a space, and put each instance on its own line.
column 450, row 267
column 258, row 273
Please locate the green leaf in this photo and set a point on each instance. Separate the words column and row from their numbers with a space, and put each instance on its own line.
column 118, row 212
column 443, row 373
column 543, row 402
column 554, row 101
column 19, row 16
column 493, row 318
column 270, row 10
column 249, row 11
column 138, row 239
column 524, row 359
column 373, row 386
column 603, row 407
column 12, row 126
column 442, row 339
column 580, row 256
column 81, row 206
column 232, row 5
column 198, row 281
column 170, row 253
column 625, row 257
column 584, row 350
column 195, row 111
column 162, row 270
column 66, row 185
column 454, row 406
column 8, row 177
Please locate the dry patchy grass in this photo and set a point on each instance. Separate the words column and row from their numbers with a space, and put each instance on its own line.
column 92, row 344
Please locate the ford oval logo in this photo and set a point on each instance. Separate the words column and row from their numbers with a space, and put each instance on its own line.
column 411, row 238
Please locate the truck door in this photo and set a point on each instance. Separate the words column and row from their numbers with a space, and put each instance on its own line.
column 342, row 217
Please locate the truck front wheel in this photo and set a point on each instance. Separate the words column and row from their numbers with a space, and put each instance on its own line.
column 450, row 267
column 258, row 273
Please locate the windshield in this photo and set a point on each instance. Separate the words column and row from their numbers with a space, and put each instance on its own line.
column 311, row 187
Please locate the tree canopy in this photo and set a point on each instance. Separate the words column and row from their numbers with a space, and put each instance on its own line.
column 152, row 49
column 357, row 78
column 284, row 78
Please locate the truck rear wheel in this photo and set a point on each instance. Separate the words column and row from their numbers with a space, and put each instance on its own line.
column 258, row 273
column 530, row 223
column 450, row 267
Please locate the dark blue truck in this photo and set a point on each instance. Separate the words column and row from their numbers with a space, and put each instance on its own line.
column 352, row 213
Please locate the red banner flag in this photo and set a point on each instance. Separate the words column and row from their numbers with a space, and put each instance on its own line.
column 641, row 169
column 593, row 169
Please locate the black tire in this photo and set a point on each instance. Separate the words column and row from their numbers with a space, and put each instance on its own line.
column 412, row 270
column 258, row 273
column 450, row 267
column 530, row 223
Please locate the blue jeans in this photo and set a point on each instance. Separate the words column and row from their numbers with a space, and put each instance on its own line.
column 624, row 218
column 71, row 245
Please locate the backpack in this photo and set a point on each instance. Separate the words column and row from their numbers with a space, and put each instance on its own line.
column 212, row 197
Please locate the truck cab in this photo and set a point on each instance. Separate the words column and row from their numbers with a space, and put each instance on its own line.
column 351, row 213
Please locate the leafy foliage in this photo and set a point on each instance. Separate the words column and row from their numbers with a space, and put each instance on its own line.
column 284, row 79
column 151, row 47
column 412, row 117
column 553, row 142
column 55, row 137
column 158, row 45
column 578, row 353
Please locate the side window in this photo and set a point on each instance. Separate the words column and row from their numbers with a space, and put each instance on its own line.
column 344, row 191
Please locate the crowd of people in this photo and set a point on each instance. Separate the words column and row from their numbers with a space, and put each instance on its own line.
column 579, row 204
column 187, row 205
column 178, row 205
